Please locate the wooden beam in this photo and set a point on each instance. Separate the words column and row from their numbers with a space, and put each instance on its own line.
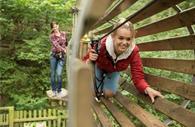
column 123, row 120
column 84, row 49
column 146, row 118
column 105, row 122
column 183, row 66
column 5, row 45
column 80, row 94
column 5, row 51
column 173, row 22
column 150, row 9
column 95, row 12
column 176, row 87
column 102, row 31
column 179, row 43
column 174, row 111
column 117, row 10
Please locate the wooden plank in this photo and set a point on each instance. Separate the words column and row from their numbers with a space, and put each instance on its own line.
column 59, row 120
column 1, row 118
column 29, row 114
column 45, row 114
column 25, row 114
column 21, row 114
column 173, row 22
column 51, row 118
column 169, row 44
column 176, row 87
column 146, row 118
column 35, row 113
column 115, row 11
column 102, row 31
column 174, row 111
column 58, row 99
column 80, row 94
column 16, row 115
column 54, row 114
column 49, row 115
column 95, row 11
column 11, row 116
column 105, row 122
column 63, row 123
column 123, row 120
column 4, row 108
column 84, row 49
column 6, row 119
column 150, row 9
column 40, row 113
column 183, row 66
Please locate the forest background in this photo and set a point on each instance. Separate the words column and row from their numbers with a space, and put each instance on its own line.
column 25, row 48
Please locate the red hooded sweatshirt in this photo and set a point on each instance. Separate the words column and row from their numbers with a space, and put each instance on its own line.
column 108, row 62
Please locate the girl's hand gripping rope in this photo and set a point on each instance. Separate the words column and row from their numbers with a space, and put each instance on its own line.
column 93, row 55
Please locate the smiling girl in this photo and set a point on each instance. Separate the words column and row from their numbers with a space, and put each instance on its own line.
column 115, row 53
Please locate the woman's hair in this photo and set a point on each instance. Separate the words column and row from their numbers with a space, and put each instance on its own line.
column 128, row 25
column 52, row 25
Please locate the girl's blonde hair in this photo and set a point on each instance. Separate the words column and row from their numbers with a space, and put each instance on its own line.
column 128, row 25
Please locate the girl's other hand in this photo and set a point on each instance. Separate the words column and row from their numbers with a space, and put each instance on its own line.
column 93, row 55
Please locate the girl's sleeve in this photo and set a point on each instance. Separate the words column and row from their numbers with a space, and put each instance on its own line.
column 55, row 43
column 137, row 71
column 86, row 57
column 65, row 40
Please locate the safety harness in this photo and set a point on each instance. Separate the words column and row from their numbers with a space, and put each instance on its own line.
column 98, row 88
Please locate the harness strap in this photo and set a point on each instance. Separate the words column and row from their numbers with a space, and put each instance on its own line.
column 99, row 93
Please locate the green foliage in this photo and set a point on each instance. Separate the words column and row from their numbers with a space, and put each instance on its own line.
column 28, row 102
column 23, row 85
column 25, row 76
column 36, row 50
column 29, row 18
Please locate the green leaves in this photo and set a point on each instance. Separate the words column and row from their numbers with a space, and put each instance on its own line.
column 35, row 50
column 29, row 15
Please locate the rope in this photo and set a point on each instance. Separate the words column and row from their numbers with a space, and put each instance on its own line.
column 100, row 93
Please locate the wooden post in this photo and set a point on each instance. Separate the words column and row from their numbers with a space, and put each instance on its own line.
column 11, row 116
column 80, row 96
column 80, row 74
column 59, row 118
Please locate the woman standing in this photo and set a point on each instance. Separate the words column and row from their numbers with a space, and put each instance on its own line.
column 57, row 59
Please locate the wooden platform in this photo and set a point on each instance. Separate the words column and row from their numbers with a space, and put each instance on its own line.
column 64, row 91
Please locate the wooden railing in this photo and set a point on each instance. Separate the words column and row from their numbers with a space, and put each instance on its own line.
column 52, row 117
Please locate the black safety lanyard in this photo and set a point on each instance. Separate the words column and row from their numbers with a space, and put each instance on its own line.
column 99, row 87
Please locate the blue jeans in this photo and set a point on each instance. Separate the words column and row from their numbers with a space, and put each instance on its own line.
column 110, row 81
column 56, row 73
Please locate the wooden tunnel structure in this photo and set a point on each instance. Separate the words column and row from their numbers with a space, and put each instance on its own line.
column 128, row 108
column 95, row 13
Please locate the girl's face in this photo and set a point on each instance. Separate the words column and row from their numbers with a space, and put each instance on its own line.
column 55, row 27
column 122, row 39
